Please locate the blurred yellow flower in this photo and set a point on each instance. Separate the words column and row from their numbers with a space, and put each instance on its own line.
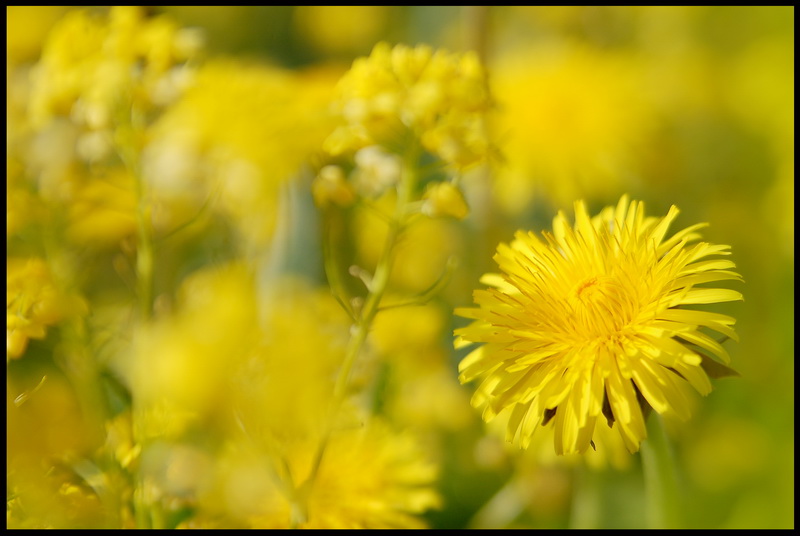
column 373, row 478
column 440, row 97
column 240, row 132
column 592, row 322
column 184, row 362
column 572, row 123
column 27, row 27
column 291, row 367
column 331, row 187
column 444, row 199
column 22, row 207
column 33, row 303
column 103, row 209
column 370, row 477
column 421, row 391
column 91, row 65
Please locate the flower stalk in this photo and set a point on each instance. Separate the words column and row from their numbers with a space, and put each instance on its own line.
column 364, row 318
column 128, row 136
column 660, row 477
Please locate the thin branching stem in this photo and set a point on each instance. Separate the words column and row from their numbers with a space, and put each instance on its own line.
column 376, row 290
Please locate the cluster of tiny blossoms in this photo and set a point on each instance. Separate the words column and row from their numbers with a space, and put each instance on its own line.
column 396, row 103
column 136, row 157
column 90, row 65
column 438, row 97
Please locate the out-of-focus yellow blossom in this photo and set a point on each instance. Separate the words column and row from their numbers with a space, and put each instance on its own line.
column 444, row 199
column 573, row 122
column 220, row 356
column 101, row 76
column 22, row 206
column 341, row 29
column 284, row 390
column 50, row 432
column 103, row 209
column 34, row 302
column 331, row 187
column 590, row 325
column 370, row 477
column 376, row 171
column 183, row 364
column 27, row 27
column 410, row 329
column 439, row 97
column 267, row 377
column 240, row 133
column 422, row 391
column 93, row 66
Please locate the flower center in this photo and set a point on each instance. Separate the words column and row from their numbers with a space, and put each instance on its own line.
column 598, row 305
column 587, row 288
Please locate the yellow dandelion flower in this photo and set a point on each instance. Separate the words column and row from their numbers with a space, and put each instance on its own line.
column 592, row 322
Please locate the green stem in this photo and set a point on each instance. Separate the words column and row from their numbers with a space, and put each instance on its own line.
column 376, row 290
column 128, row 137
column 476, row 22
column 144, row 252
column 587, row 501
column 660, row 477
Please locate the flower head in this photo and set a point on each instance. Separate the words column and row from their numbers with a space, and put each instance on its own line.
column 439, row 97
column 592, row 321
column 90, row 63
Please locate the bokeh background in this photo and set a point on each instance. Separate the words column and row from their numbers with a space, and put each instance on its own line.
column 691, row 106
